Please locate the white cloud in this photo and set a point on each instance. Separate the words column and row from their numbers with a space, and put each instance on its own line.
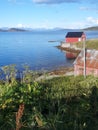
column 63, row 1
column 92, row 20
column 19, row 1
column 84, row 8
column 20, row 25
column 89, row 9
column 54, row 1
column 11, row 0
column 89, row 21
column 44, row 24
column 40, row 1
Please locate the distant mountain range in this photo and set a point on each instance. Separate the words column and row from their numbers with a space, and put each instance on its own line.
column 5, row 29
column 91, row 28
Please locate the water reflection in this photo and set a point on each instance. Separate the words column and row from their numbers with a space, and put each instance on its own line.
column 70, row 55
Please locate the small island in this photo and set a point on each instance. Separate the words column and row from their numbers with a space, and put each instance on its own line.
column 13, row 30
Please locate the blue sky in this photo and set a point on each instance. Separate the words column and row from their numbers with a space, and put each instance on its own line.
column 49, row 13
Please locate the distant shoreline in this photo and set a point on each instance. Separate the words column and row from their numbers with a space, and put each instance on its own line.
column 13, row 30
column 20, row 29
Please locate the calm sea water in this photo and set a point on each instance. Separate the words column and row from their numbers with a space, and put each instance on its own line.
column 34, row 49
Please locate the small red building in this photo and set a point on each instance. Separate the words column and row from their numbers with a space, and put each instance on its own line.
column 91, row 61
column 73, row 37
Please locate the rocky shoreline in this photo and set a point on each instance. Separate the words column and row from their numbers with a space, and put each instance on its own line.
column 63, row 71
column 68, row 49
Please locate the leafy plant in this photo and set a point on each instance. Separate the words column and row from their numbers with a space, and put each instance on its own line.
column 62, row 103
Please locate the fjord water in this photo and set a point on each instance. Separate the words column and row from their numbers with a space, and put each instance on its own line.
column 34, row 49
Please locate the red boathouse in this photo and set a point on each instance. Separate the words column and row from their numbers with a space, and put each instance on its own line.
column 73, row 37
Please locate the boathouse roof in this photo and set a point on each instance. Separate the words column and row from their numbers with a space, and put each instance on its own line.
column 74, row 34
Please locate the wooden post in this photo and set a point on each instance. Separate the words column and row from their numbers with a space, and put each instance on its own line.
column 84, row 57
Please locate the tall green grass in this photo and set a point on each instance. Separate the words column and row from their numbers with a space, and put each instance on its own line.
column 63, row 103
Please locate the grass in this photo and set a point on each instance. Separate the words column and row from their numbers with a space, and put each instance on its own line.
column 90, row 44
column 61, row 103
